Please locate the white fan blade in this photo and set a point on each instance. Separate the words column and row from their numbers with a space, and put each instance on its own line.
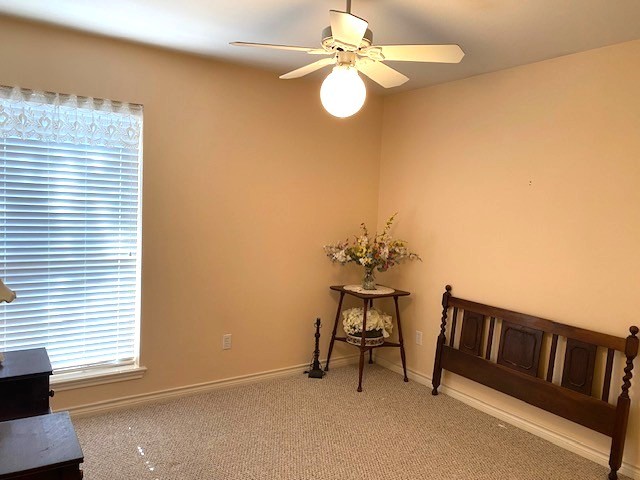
column 347, row 29
column 382, row 74
column 422, row 53
column 314, row 51
column 307, row 69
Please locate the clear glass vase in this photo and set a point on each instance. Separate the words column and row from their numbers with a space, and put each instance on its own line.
column 369, row 279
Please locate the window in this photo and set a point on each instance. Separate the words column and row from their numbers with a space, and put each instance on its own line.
column 70, row 191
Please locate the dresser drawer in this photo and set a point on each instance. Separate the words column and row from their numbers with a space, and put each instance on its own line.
column 24, row 384
column 24, row 397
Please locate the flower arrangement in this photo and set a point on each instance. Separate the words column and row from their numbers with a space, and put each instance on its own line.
column 379, row 251
column 377, row 320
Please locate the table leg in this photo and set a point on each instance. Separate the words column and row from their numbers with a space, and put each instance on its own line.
column 371, row 349
column 402, row 355
column 335, row 329
column 362, row 345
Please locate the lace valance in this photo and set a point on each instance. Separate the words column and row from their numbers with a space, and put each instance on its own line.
column 54, row 117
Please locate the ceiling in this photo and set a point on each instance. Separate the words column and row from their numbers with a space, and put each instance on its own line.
column 495, row 34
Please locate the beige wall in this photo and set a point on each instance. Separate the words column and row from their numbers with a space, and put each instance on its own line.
column 521, row 188
column 245, row 178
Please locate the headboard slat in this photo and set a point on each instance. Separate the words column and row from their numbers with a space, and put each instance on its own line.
column 520, row 348
column 552, row 358
column 608, row 369
column 579, row 364
column 492, row 324
column 471, row 333
column 454, row 319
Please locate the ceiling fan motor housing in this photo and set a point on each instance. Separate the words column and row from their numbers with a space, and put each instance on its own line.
column 329, row 43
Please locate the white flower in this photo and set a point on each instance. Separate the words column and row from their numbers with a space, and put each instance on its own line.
column 376, row 320
column 341, row 256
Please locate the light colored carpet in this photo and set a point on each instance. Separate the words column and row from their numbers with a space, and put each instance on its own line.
column 297, row 428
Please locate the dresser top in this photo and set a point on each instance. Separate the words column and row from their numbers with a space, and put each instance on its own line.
column 24, row 363
column 37, row 444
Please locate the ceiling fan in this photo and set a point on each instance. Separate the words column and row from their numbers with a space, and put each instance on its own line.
column 348, row 44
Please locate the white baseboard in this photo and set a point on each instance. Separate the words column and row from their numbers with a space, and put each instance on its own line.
column 556, row 438
column 129, row 401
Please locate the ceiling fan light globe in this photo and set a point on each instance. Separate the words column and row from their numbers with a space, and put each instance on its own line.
column 343, row 92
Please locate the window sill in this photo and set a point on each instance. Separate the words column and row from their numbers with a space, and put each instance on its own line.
column 90, row 378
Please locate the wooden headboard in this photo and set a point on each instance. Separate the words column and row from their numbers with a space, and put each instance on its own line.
column 524, row 362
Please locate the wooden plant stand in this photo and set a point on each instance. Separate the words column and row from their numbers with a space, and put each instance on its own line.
column 368, row 303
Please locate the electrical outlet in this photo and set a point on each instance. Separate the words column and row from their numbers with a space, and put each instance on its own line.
column 226, row 341
column 418, row 337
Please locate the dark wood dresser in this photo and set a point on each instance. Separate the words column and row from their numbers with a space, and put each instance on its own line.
column 24, row 384
column 44, row 447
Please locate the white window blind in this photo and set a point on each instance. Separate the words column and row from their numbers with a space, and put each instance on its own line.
column 70, row 191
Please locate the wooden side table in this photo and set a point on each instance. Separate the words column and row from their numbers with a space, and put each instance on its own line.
column 368, row 303
column 44, row 447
